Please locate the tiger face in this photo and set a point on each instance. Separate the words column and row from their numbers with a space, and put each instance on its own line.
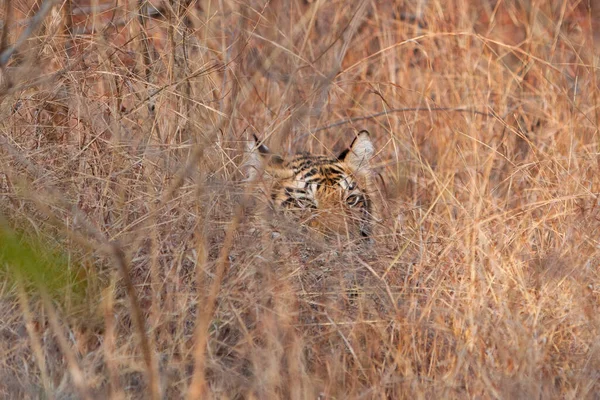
column 326, row 193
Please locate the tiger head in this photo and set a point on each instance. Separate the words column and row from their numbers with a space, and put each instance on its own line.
column 326, row 193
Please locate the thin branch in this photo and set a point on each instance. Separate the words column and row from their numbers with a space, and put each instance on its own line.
column 138, row 320
column 8, row 17
column 77, row 375
column 34, row 338
column 146, row 53
column 68, row 26
column 33, row 26
column 395, row 110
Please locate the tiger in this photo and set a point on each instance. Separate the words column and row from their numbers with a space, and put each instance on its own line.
column 329, row 194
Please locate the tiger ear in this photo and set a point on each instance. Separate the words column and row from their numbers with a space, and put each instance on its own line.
column 358, row 156
column 260, row 158
column 258, row 145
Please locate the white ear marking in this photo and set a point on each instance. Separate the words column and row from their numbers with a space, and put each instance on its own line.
column 260, row 159
column 360, row 153
column 254, row 162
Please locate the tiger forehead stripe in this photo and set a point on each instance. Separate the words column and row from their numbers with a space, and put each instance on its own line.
column 307, row 174
column 306, row 162
column 332, row 169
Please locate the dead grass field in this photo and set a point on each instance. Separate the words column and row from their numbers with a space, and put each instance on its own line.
column 141, row 266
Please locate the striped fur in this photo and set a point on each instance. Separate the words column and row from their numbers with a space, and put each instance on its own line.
column 326, row 193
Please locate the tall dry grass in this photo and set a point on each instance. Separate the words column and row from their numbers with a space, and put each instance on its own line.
column 122, row 133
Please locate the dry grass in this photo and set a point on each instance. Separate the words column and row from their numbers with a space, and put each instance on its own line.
column 121, row 141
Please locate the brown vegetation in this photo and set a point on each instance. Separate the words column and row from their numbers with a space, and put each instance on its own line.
column 122, row 134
